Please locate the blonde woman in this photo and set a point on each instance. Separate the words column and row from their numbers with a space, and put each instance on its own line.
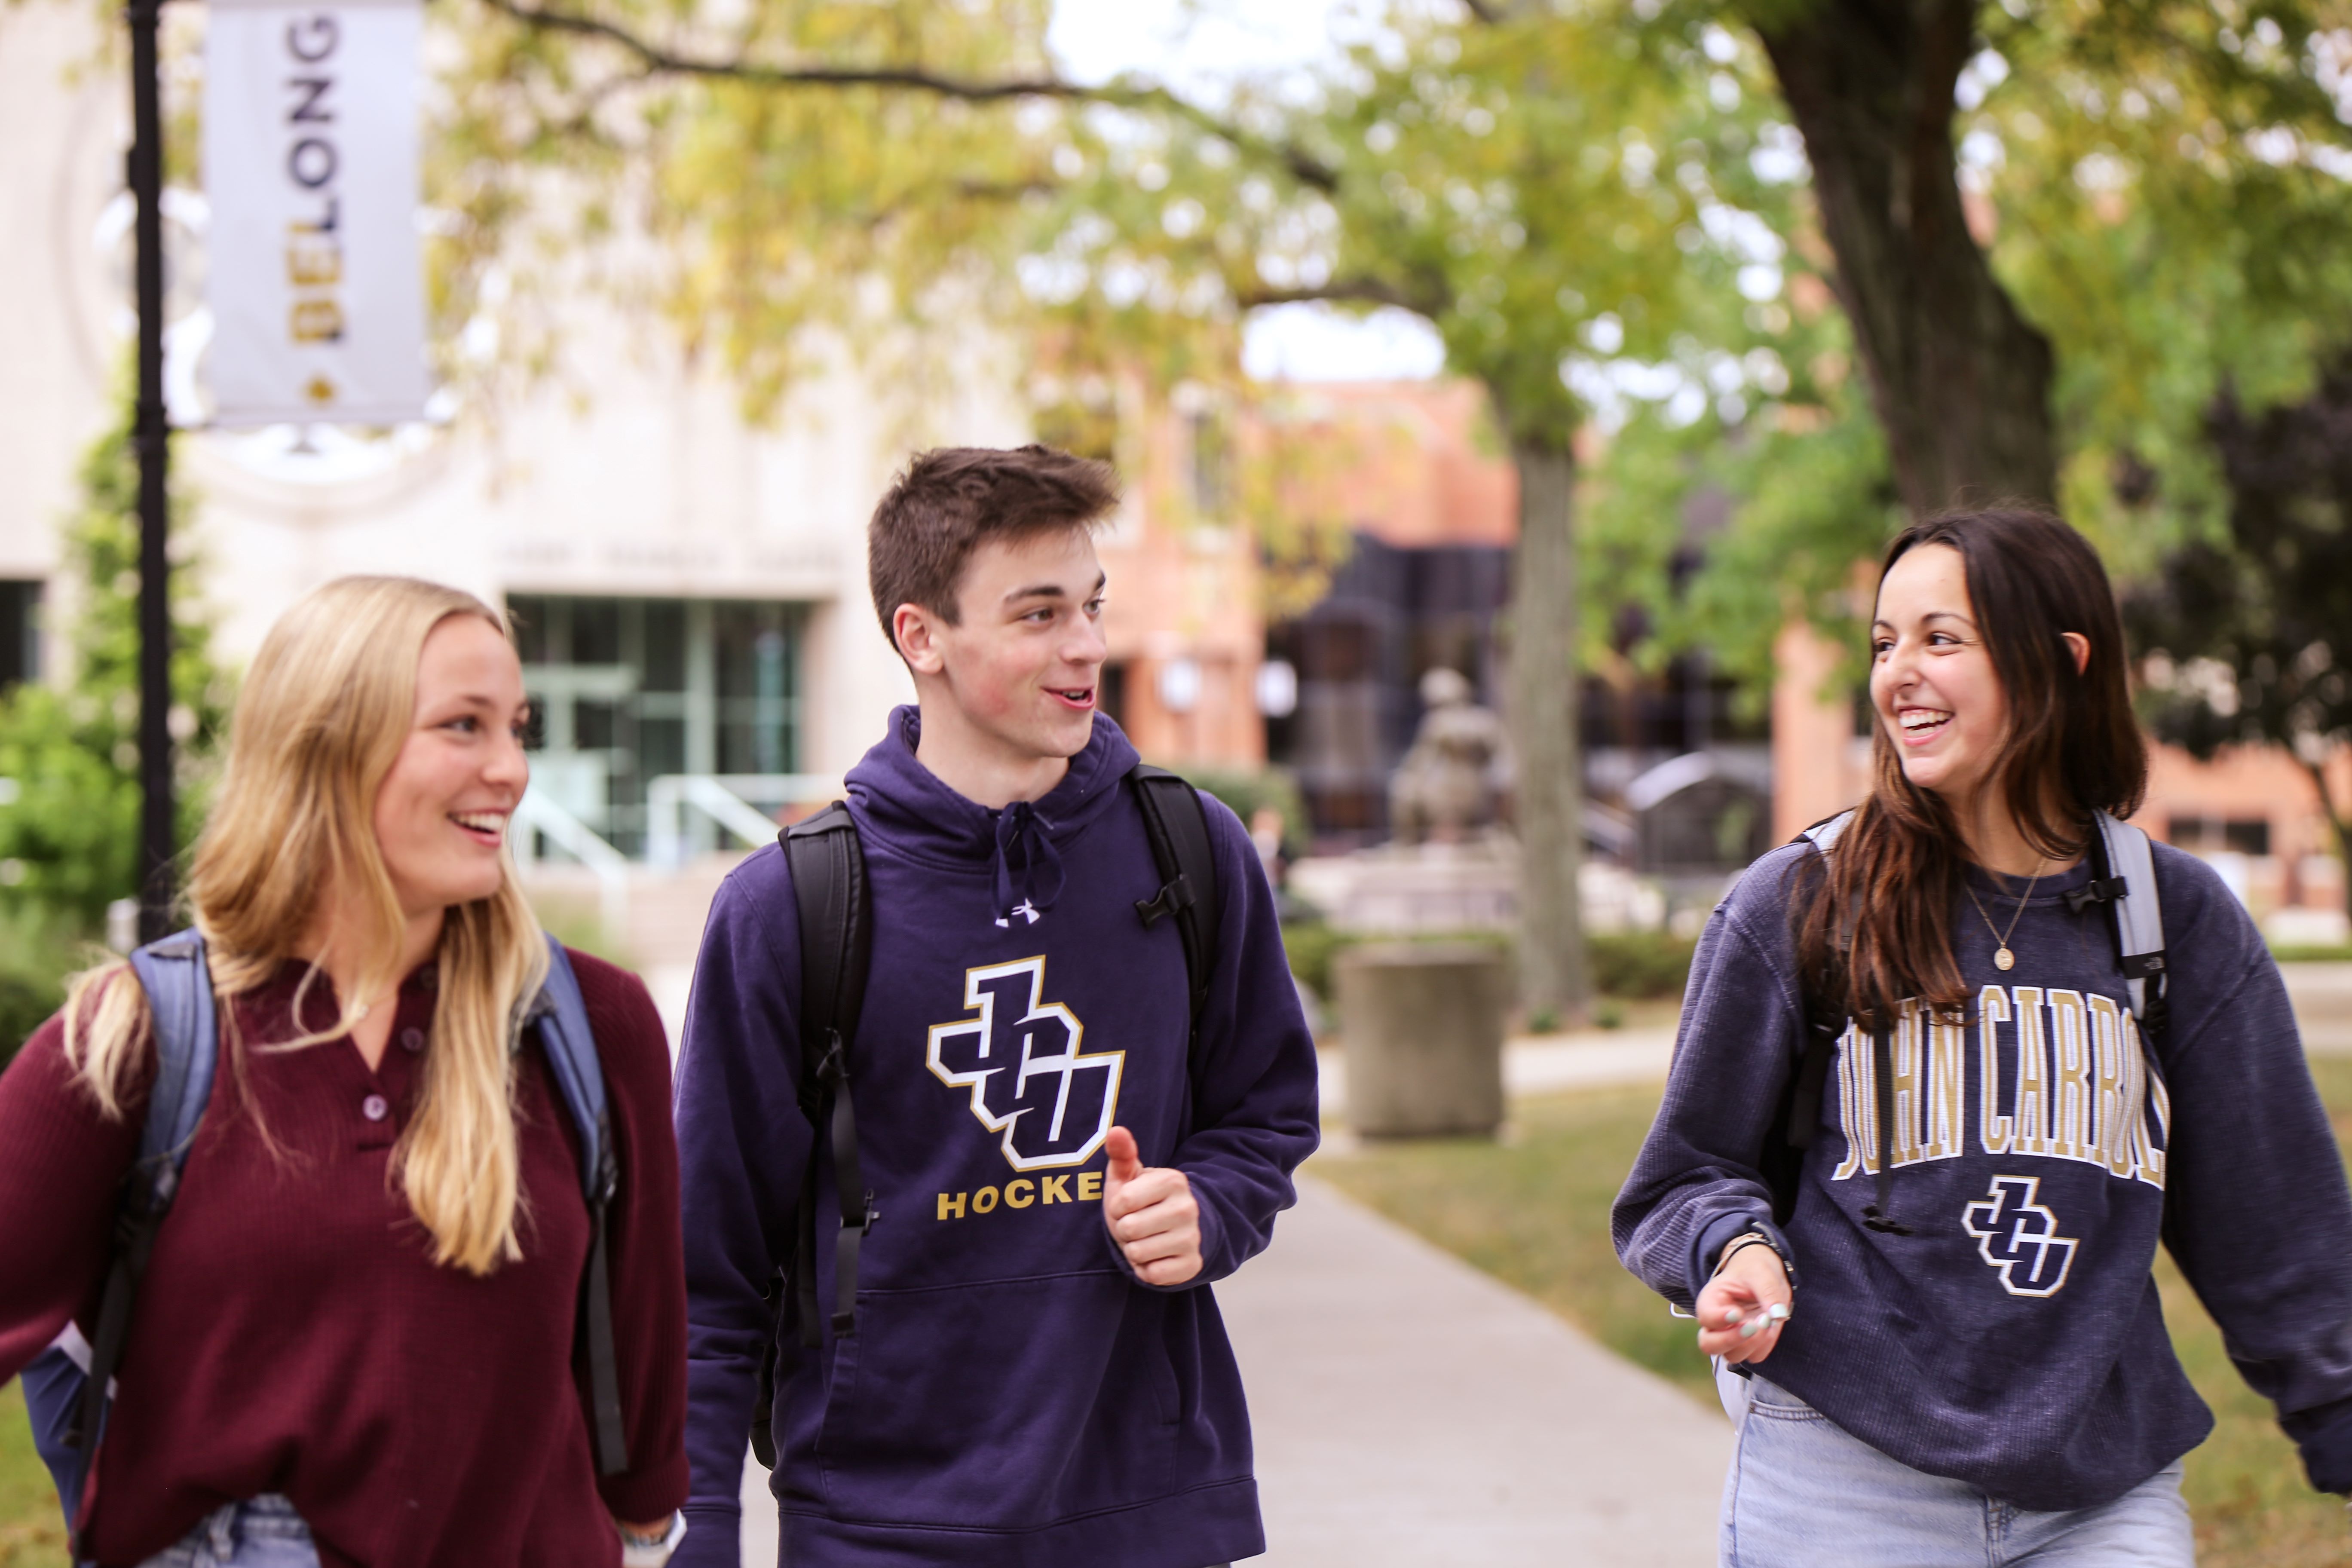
column 354, row 1342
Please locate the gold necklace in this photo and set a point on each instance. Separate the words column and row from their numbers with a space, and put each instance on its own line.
column 2003, row 958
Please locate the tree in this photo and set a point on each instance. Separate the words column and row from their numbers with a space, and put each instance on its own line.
column 1959, row 378
column 2159, row 189
column 2160, row 102
column 1515, row 179
column 70, row 825
column 2249, row 640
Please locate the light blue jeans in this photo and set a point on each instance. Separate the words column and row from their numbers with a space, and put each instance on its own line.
column 259, row 1533
column 1805, row 1493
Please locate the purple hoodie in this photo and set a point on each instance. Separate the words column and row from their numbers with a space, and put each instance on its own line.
column 1012, row 1394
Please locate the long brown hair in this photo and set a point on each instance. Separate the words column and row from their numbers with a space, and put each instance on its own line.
column 1874, row 914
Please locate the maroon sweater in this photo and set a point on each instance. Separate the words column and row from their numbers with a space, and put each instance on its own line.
column 294, row 1335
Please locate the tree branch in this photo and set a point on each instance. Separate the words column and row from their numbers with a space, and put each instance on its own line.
column 1343, row 291
column 655, row 60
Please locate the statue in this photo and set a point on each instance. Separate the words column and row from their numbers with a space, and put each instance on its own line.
column 1443, row 791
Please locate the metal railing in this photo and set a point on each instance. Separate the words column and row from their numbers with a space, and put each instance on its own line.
column 537, row 815
column 730, row 803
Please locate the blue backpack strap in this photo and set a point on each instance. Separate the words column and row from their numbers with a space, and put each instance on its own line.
column 68, row 1398
column 571, row 1046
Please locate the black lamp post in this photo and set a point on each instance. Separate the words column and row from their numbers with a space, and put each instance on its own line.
column 151, row 439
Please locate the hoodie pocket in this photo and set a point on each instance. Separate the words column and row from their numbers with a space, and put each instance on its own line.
column 1002, row 1406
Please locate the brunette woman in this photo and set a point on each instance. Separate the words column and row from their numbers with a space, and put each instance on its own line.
column 354, row 1342
column 1962, row 1360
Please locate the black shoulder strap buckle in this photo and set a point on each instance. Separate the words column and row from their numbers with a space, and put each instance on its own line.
column 2097, row 890
column 1174, row 899
column 1177, row 825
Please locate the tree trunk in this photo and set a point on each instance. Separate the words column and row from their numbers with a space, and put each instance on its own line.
column 1543, row 724
column 2340, row 825
column 1960, row 381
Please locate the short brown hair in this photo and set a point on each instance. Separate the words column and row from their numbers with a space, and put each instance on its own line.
column 952, row 499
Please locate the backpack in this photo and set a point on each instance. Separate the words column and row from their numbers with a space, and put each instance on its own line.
column 69, row 1387
column 837, row 921
column 2122, row 878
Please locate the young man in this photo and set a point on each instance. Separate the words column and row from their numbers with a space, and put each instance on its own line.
column 1031, row 1369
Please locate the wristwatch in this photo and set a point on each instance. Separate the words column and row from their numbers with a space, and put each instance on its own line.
column 651, row 1550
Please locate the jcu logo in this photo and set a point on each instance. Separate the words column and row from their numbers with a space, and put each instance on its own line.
column 1050, row 1103
column 2020, row 1237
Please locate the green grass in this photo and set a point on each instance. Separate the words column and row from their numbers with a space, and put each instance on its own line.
column 1534, row 1212
column 32, row 1530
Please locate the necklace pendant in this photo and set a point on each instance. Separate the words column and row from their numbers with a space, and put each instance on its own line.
column 2004, row 959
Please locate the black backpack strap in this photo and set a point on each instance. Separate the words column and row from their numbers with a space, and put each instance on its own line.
column 1177, row 824
column 837, row 919
column 561, row 1015
column 185, row 1029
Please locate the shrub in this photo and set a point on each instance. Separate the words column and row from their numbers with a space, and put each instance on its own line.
column 38, row 951
column 1245, row 792
column 1639, row 964
column 1312, row 945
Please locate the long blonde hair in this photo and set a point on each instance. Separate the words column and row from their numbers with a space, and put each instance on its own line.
column 325, row 709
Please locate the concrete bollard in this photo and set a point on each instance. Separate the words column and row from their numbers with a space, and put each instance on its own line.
column 1424, row 1026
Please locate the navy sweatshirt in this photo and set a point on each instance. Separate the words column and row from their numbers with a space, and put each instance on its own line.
column 2041, row 1150
column 1012, row 1394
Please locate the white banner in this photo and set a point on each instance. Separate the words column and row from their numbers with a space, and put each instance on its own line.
column 313, row 271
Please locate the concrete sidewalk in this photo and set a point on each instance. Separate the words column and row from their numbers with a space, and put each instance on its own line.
column 1411, row 1412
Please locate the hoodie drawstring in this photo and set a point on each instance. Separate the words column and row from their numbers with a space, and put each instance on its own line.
column 1878, row 1215
column 1019, row 827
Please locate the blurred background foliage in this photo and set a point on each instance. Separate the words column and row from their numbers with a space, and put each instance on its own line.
column 1604, row 209
column 68, row 750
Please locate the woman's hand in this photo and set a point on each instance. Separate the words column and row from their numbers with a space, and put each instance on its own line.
column 1740, row 1311
column 646, row 1545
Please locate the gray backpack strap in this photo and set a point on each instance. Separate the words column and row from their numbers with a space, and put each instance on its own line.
column 1823, row 834
column 1824, row 1022
column 561, row 1015
column 2122, row 878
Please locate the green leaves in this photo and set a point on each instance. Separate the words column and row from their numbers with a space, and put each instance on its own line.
column 69, row 821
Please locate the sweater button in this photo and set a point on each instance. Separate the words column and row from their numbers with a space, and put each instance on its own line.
column 375, row 1108
column 411, row 1040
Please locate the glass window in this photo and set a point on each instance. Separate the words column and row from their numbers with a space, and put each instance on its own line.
column 20, row 633
column 625, row 691
column 665, row 663
column 595, row 631
column 595, row 725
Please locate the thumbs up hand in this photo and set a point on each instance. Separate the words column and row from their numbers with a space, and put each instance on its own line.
column 1151, row 1214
